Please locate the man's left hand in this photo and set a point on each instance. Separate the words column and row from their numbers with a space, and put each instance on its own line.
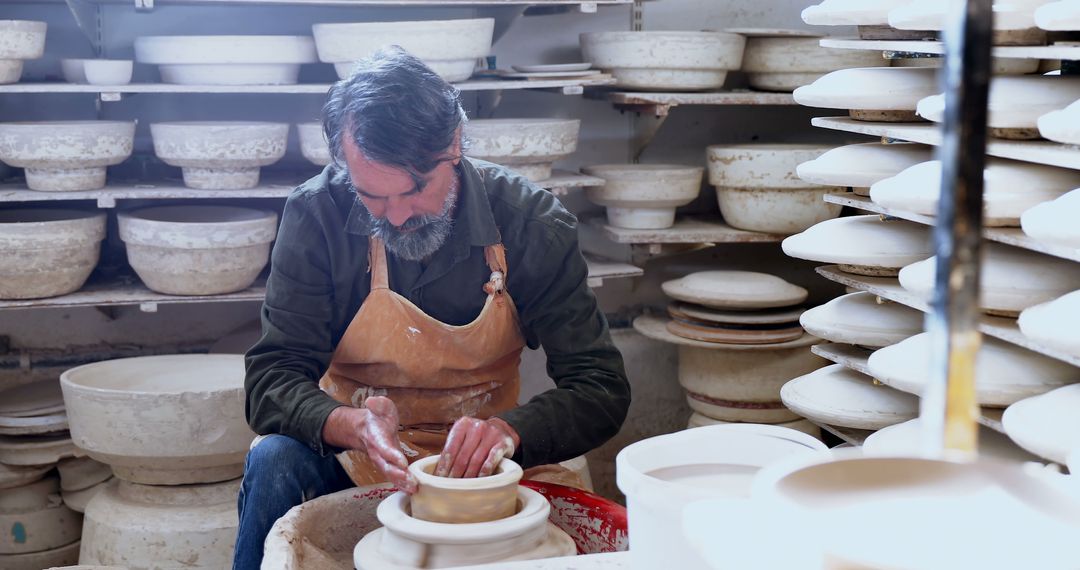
column 475, row 447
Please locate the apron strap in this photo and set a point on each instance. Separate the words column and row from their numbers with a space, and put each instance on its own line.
column 495, row 255
column 377, row 264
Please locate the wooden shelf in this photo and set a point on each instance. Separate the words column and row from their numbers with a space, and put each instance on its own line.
column 1008, row 236
column 1066, row 52
column 560, row 183
column 685, row 231
column 660, row 103
column 889, row 288
column 1039, row 152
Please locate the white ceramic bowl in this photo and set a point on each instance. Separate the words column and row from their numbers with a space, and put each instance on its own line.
column 1062, row 126
column 1059, row 16
column 215, row 155
column 1010, row 188
column 859, row 166
column 197, row 250
column 449, row 47
column 226, row 60
column 74, row 70
column 19, row 40
column 644, row 196
column 838, row 396
column 161, row 420
column 108, row 71
column 47, row 252
column 851, row 12
column 785, row 63
column 66, row 155
column 313, row 143
column 1054, row 222
column 681, row 61
column 870, row 89
column 862, row 244
column 527, row 146
column 860, row 319
column 1016, row 103
column 1053, row 324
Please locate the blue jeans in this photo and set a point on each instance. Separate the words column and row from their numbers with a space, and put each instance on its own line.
column 280, row 473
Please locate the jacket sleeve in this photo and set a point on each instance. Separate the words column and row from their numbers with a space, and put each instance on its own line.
column 590, row 401
column 284, row 367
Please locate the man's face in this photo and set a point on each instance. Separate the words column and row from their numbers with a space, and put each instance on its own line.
column 413, row 218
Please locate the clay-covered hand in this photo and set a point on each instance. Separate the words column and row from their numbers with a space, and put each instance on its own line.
column 475, row 447
column 374, row 430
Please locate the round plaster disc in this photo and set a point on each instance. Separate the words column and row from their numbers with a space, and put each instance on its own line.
column 863, row 241
column 36, row 450
column 33, row 399
column 838, row 396
column 690, row 311
column 656, row 329
column 34, row 425
column 859, row 319
column 1046, row 425
column 740, row 290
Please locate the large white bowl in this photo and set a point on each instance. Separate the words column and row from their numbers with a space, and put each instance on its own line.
column 861, row 319
column 1059, row 16
column 1046, row 425
column 226, row 60
column 785, row 63
column 870, row 89
column 161, row 420
column 1062, row 126
column 1012, row 279
column 527, row 146
column 1054, row 222
column 216, row 155
column 108, row 71
column 1004, row 373
column 862, row 244
column 313, row 143
column 1016, row 103
column 1053, row 324
column 66, row 155
column 449, row 47
column 1010, row 188
column 859, row 166
column 47, row 252
column 851, row 12
column 644, row 196
column 682, row 61
column 197, row 250
column 19, row 40
column 839, row 396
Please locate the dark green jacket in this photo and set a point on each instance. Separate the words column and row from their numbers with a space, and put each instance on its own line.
column 319, row 277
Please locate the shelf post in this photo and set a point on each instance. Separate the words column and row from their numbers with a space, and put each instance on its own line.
column 949, row 411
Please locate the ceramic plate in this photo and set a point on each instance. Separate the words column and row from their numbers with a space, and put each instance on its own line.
column 552, row 67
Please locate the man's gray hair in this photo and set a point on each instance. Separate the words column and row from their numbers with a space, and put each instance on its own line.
column 396, row 109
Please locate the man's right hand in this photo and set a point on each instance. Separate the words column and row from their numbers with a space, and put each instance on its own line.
column 374, row 430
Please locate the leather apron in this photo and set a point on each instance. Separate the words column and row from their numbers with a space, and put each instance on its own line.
column 434, row 373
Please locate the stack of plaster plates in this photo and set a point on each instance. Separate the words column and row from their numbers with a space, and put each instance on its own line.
column 1016, row 103
column 1010, row 189
column 862, row 245
column 871, row 17
column 782, row 60
column 39, row 530
column 1013, row 279
column 34, row 426
column 888, row 94
column 860, row 166
column 838, row 396
column 862, row 319
column 739, row 340
column 1047, row 425
column 1004, row 373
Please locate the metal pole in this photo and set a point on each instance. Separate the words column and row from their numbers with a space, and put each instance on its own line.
column 949, row 409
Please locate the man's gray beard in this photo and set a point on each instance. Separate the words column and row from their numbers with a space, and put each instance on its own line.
column 428, row 233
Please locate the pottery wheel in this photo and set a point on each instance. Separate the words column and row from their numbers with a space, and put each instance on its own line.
column 34, row 399
column 738, row 328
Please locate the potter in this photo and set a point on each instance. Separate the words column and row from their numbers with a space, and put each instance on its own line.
column 405, row 281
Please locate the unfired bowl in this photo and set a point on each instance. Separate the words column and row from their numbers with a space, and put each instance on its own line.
column 220, row 155
column 226, row 60
column 680, row 61
column 644, row 196
column 47, row 252
column 786, row 63
column 66, row 155
column 461, row 501
column 313, row 143
column 19, row 40
column 527, row 146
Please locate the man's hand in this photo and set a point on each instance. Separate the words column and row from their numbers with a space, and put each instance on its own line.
column 374, row 430
column 475, row 447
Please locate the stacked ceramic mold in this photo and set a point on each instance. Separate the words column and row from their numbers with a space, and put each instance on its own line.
column 172, row 429
column 739, row 341
column 44, row 487
column 20, row 40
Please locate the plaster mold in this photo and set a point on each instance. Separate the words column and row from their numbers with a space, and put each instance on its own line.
column 449, row 47
column 1054, row 222
column 47, row 252
column 1004, row 373
column 79, row 500
column 1012, row 279
column 1010, row 188
column 905, row 439
column 863, row 320
column 644, row 196
column 57, row 557
column 1062, row 126
column 1062, row 16
column 872, row 93
column 172, row 420
column 20, row 40
column 998, row 65
column 758, row 190
column 62, row 156
column 527, row 146
column 860, row 166
column 81, row 473
column 838, row 396
column 17, row 476
column 660, row 60
column 36, row 450
column 220, row 155
column 313, row 143
column 197, row 250
column 46, row 523
column 226, row 60
column 149, row 526
column 1014, row 20
column 1046, row 425
column 738, row 290
column 786, row 63
column 464, row 501
column 863, row 245
column 806, row 426
column 1053, row 324
column 1016, row 103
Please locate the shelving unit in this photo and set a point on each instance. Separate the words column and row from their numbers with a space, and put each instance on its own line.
column 1065, row 51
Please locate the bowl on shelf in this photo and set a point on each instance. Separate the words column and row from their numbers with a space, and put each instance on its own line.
column 313, row 143
column 785, row 62
column 652, row 61
column 73, row 69
column 108, row 71
column 216, row 155
column 449, row 47
column 66, row 155
column 47, row 252
column 872, row 93
column 644, row 196
column 1016, row 103
column 526, row 146
column 226, row 60
column 860, row 166
column 20, row 40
